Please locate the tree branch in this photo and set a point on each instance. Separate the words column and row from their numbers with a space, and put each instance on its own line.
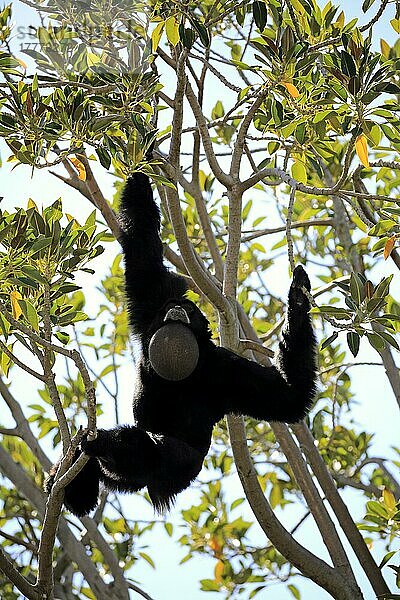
column 75, row 550
column 222, row 177
column 342, row 513
column 10, row 571
column 19, row 363
column 23, row 426
column 192, row 264
column 309, row 564
column 316, row 505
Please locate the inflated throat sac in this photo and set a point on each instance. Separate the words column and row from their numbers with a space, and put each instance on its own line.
column 174, row 352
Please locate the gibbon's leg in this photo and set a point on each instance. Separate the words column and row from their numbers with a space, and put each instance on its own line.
column 131, row 458
column 81, row 494
column 149, row 284
column 278, row 393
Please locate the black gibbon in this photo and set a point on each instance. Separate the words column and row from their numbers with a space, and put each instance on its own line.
column 174, row 420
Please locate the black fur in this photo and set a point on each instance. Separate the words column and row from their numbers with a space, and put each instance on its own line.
column 174, row 419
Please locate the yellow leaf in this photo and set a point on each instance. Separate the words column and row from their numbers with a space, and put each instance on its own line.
column 215, row 546
column 340, row 21
column 31, row 204
column 298, row 6
column 92, row 59
column 385, row 49
column 388, row 499
column 16, row 309
column 219, row 571
column 156, row 36
column 389, row 247
column 326, row 9
column 22, row 63
column 75, row 224
column 292, row 89
column 80, row 167
column 362, row 149
column 5, row 361
column 299, row 171
column 171, row 29
column 395, row 23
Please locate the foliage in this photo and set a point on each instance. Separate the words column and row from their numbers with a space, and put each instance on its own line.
column 310, row 105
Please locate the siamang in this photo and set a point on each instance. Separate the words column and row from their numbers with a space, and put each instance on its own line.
column 174, row 420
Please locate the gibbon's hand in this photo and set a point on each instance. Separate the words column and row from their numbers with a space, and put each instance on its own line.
column 297, row 298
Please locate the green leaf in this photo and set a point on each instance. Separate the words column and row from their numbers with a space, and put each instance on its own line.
column 63, row 337
column 374, row 304
column 185, row 558
column 209, row 585
column 104, row 157
column 382, row 289
column 294, row 591
column 33, row 274
column 246, row 209
column 203, row 32
column 386, row 558
column 260, row 14
column 353, row 342
column 5, row 361
column 275, row 496
column 299, row 171
column 41, row 243
column 357, row 290
column 376, row 341
column 148, row 559
column 389, row 339
column 395, row 23
column 366, row 5
column 329, row 340
column 80, row 316
column 108, row 369
column 336, row 311
column 348, row 65
column 169, row 528
column 376, row 508
column 87, row 593
column 187, row 36
column 237, row 502
column 30, row 313
column 218, row 110
column 300, row 134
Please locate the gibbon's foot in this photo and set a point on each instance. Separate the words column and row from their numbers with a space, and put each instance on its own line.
column 94, row 447
column 81, row 494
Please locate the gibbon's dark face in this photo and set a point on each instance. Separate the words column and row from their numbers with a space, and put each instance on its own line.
column 186, row 312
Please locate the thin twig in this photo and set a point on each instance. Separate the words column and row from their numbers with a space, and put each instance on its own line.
column 376, row 18
column 8, row 568
column 289, row 237
column 296, row 225
column 20, row 364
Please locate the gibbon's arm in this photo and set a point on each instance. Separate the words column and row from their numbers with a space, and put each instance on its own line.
column 149, row 284
column 278, row 393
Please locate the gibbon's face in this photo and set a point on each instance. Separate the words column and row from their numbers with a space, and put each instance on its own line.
column 186, row 312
